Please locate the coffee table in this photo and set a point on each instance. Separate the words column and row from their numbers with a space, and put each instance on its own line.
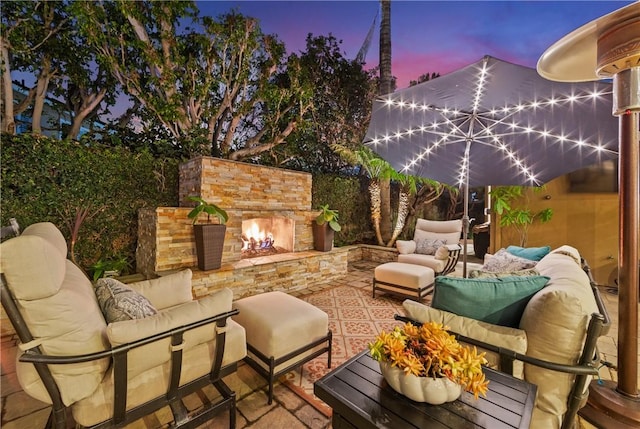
column 361, row 398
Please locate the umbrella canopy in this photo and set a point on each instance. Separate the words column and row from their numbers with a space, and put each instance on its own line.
column 494, row 123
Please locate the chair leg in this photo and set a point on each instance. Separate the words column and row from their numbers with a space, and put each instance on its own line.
column 330, row 339
column 272, row 369
column 57, row 419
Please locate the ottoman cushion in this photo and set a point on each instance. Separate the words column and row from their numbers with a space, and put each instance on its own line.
column 277, row 323
column 409, row 275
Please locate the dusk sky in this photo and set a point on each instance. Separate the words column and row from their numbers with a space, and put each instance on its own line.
column 426, row 36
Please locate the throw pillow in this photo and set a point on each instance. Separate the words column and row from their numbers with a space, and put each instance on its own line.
column 119, row 302
column 442, row 253
column 479, row 274
column 504, row 261
column 428, row 246
column 532, row 253
column 500, row 301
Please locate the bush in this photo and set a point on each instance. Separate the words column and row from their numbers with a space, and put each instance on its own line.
column 44, row 179
column 348, row 195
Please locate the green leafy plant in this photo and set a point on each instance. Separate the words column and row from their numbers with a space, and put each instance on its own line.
column 209, row 208
column 118, row 263
column 329, row 216
column 518, row 217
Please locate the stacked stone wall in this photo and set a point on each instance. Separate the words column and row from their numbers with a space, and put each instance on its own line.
column 238, row 185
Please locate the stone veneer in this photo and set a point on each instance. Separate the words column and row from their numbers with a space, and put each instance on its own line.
column 238, row 185
column 245, row 191
column 287, row 272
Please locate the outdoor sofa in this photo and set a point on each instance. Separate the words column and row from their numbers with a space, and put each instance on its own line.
column 554, row 343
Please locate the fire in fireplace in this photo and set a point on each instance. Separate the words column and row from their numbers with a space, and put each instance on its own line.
column 267, row 236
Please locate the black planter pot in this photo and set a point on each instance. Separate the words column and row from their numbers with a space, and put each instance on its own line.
column 322, row 237
column 209, row 244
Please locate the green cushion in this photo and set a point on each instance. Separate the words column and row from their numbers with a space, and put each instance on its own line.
column 531, row 253
column 500, row 301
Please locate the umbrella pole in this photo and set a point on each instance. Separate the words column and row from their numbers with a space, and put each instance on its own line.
column 465, row 224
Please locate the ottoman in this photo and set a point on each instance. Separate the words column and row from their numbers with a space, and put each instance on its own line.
column 405, row 280
column 283, row 332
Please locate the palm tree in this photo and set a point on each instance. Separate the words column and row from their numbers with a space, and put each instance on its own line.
column 386, row 85
column 378, row 170
column 408, row 187
column 386, row 79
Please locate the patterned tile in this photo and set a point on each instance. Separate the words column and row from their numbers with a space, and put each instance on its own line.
column 353, row 313
column 345, row 302
column 354, row 328
column 335, row 328
column 382, row 313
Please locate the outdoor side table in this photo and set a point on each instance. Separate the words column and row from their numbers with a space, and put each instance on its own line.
column 361, row 398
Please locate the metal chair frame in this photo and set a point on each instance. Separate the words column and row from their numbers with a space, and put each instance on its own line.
column 122, row 416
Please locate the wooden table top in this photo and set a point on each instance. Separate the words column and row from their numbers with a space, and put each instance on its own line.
column 360, row 398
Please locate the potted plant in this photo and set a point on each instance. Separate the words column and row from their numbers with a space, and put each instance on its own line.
column 324, row 227
column 209, row 236
column 518, row 217
column 427, row 364
column 112, row 267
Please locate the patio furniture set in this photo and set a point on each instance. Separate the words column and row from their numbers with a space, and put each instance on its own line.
column 110, row 358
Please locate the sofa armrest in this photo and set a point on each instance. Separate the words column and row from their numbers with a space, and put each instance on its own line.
column 406, row 247
column 501, row 336
column 166, row 291
column 158, row 352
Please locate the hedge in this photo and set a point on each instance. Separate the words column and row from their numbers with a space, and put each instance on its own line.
column 44, row 179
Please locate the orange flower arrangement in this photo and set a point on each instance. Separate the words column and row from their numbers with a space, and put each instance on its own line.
column 430, row 351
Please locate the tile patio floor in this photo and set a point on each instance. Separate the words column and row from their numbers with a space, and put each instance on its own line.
column 19, row 411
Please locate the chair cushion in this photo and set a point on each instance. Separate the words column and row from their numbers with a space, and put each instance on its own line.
column 504, row 261
column 442, row 253
column 531, row 253
column 154, row 382
column 60, row 309
column 448, row 230
column 428, row 261
column 50, row 233
column 556, row 321
column 36, row 281
column 409, row 275
column 500, row 301
column 166, row 291
column 119, row 302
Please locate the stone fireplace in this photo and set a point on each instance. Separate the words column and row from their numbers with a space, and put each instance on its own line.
column 271, row 197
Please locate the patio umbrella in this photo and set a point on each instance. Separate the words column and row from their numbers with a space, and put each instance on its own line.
column 493, row 123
